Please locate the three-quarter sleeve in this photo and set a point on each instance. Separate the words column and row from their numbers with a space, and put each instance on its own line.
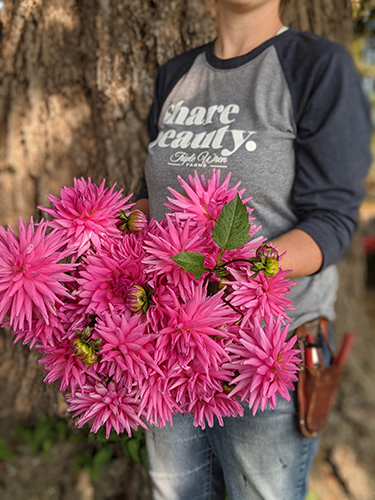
column 331, row 149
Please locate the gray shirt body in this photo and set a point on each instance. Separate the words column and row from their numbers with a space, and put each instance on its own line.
column 239, row 119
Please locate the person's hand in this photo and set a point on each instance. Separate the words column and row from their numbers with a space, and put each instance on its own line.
column 303, row 254
column 144, row 206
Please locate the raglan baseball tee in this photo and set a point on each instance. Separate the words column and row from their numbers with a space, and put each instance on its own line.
column 288, row 120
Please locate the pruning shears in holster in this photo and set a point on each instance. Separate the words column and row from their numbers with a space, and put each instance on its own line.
column 317, row 382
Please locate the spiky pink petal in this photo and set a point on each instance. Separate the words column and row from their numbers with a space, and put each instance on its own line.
column 87, row 213
column 126, row 349
column 202, row 200
column 266, row 364
column 108, row 405
column 261, row 296
column 166, row 242
column 31, row 274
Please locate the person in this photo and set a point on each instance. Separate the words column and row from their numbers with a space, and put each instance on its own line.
column 284, row 112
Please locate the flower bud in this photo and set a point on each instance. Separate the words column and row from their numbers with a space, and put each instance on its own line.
column 137, row 299
column 227, row 388
column 137, row 221
column 134, row 221
column 84, row 351
column 265, row 252
column 272, row 267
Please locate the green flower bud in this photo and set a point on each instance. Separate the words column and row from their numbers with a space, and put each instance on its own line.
column 272, row 267
column 137, row 299
column 227, row 388
column 266, row 260
column 84, row 351
column 133, row 221
column 265, row 252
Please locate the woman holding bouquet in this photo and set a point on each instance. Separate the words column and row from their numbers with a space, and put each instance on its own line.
column 284, row 112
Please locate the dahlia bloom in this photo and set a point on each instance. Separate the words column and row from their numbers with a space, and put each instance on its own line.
column 103, row 282
column 86, row 213
column 164, row 294
column 202, row 200
column 108, row 274
column 110, row 405
column 63, row 365
column 30, row 274
column 261, row 295
column 266, row 364
column 192, row 383
column 157, row 403
column 167, row 242
column 125, row 349
column 192, row 328
column 42, row 334
column 219, row 406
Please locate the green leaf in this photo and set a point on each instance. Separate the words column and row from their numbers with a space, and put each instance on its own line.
column 134, row 446
column 4, row 450
column 144, row 456
column 124, row 446
column 192, row 263
column 231, row 231
column 100, row 458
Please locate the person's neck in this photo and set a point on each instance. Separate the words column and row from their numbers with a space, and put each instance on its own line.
column 242, row 30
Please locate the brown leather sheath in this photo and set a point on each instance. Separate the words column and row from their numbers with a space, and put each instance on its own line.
column 317, row 388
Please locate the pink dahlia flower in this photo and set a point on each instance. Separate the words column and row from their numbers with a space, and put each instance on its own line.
column 193, row 383
column 260, row 295
column 267, row 365
column 42, row 334
column 219, row 406
column 87, row 213
column 110, row 405
column 30, row 274
column 192, row 330
column 125, row 349
column 103, row 282
column 167, row 243
column 107, row 275
column 129, row 252
column 157, row 403
column 203, row 200
column 63, row 365
column 164, row 294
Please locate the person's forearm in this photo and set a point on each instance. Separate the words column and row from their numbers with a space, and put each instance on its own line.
column 303, row 255
column 144, row 206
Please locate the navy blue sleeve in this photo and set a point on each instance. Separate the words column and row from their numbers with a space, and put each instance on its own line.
column 332, row 143
column 143, row 192
column 168, row 75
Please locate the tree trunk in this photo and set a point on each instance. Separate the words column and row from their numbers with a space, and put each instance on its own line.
column 77, row 80
column 329, row 18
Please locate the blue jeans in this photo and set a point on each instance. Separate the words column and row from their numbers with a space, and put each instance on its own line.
column 261, row 457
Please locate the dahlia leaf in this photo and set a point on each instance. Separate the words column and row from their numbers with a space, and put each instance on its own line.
column 232, row 229
column 192, row 262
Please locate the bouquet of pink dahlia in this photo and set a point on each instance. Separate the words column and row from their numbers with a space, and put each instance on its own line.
column 139, row 321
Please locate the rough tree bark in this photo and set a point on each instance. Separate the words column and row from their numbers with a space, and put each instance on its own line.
column 77, row 81
column 329, row 18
